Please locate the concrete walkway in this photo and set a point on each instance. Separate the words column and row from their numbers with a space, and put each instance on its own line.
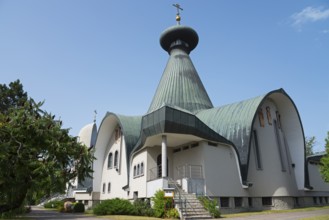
column 39, row 213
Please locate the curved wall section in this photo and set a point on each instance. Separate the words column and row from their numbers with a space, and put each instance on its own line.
column 294, row 135
column 106, row 128
column 87, row 135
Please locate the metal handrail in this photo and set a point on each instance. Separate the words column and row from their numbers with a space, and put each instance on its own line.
column 181, row 198
column 154, row 173
column 189, row 171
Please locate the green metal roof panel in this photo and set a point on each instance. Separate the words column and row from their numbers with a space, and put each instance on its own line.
column 131, row 128
column 180, row 85
column 234, row 122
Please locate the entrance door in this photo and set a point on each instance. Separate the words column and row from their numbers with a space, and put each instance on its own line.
column 159, row 166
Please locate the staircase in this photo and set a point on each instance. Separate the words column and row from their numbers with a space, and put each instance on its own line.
column 188, row 204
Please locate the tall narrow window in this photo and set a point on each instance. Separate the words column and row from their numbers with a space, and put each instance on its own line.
column 116, row 155
column 138, row 170
column 278, row 118
column 135, row 171
column 110, row 160
column 257, row 153
column 103, row 190
column 108, row 187
column 159, row 166
column 268, row 114
column 142, row 168
column 117, row 133
column 278, row 140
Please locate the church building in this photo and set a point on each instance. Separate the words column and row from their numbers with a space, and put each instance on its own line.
column 248, row 155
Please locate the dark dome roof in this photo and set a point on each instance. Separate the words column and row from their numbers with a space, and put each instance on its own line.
column 178, row 32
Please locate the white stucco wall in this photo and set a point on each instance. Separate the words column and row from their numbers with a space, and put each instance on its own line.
column 219, row 166
column 87, row 134
column 138, row 182
column 293, row 130
column 222, row 175
column 105, row 143
column 105, row 130
column 82, row 196
column 316, row 181
column 274, row 178
column 117, row 176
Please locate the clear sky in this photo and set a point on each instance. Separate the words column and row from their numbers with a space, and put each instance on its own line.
column 80, row 56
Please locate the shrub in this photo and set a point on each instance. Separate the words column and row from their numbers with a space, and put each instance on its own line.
column 13, row 213
column 79, row 207
column 115, row 207
column 143, row 208
column 172, row 213
column 211, row 205
column 160, row 202
column 54, row 204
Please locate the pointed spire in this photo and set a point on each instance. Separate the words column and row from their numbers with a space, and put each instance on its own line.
column 180, row 84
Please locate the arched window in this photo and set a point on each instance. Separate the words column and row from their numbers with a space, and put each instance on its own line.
column 116, row 155
column 135, row 171
column 110, row 160
column 108, row 187
column 142, row 168
column 138, row 170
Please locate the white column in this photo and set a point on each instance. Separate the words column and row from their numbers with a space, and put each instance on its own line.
column 164, row 156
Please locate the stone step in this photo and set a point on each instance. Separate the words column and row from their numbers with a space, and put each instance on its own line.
column 194, row 209
column 186, row 214
column 197, row 216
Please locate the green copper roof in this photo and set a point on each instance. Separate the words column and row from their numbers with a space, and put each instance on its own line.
column 180, row 84
column 234, row 122
column 131, row 127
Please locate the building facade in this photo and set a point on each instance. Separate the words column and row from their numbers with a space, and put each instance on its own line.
column 248, row 155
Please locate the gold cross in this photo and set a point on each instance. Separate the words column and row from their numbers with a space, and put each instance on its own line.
column 178, row 14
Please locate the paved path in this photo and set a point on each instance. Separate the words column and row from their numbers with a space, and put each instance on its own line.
column 39, row 213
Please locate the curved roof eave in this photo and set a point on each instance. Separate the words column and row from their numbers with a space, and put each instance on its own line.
column 234, row 122
column 130, row 128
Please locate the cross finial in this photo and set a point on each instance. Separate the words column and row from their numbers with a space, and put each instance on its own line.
column 178, row 14
column 95, row 114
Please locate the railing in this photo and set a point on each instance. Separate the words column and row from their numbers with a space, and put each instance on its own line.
column 189, row 171
column 182, row 200
column 154, row 173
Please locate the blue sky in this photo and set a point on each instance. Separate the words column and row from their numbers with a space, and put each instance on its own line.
column 80, row 56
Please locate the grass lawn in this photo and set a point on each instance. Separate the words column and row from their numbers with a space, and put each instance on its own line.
column 275, row 211
column 323, row 217
column 127, row 217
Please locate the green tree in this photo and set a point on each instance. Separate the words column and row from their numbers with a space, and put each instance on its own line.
column 309, row 142
column 325, row 161
column 37, row 156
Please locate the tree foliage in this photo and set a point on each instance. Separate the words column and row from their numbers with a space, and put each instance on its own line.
column 37, row 156
column 325, row 161
column 310, row 142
